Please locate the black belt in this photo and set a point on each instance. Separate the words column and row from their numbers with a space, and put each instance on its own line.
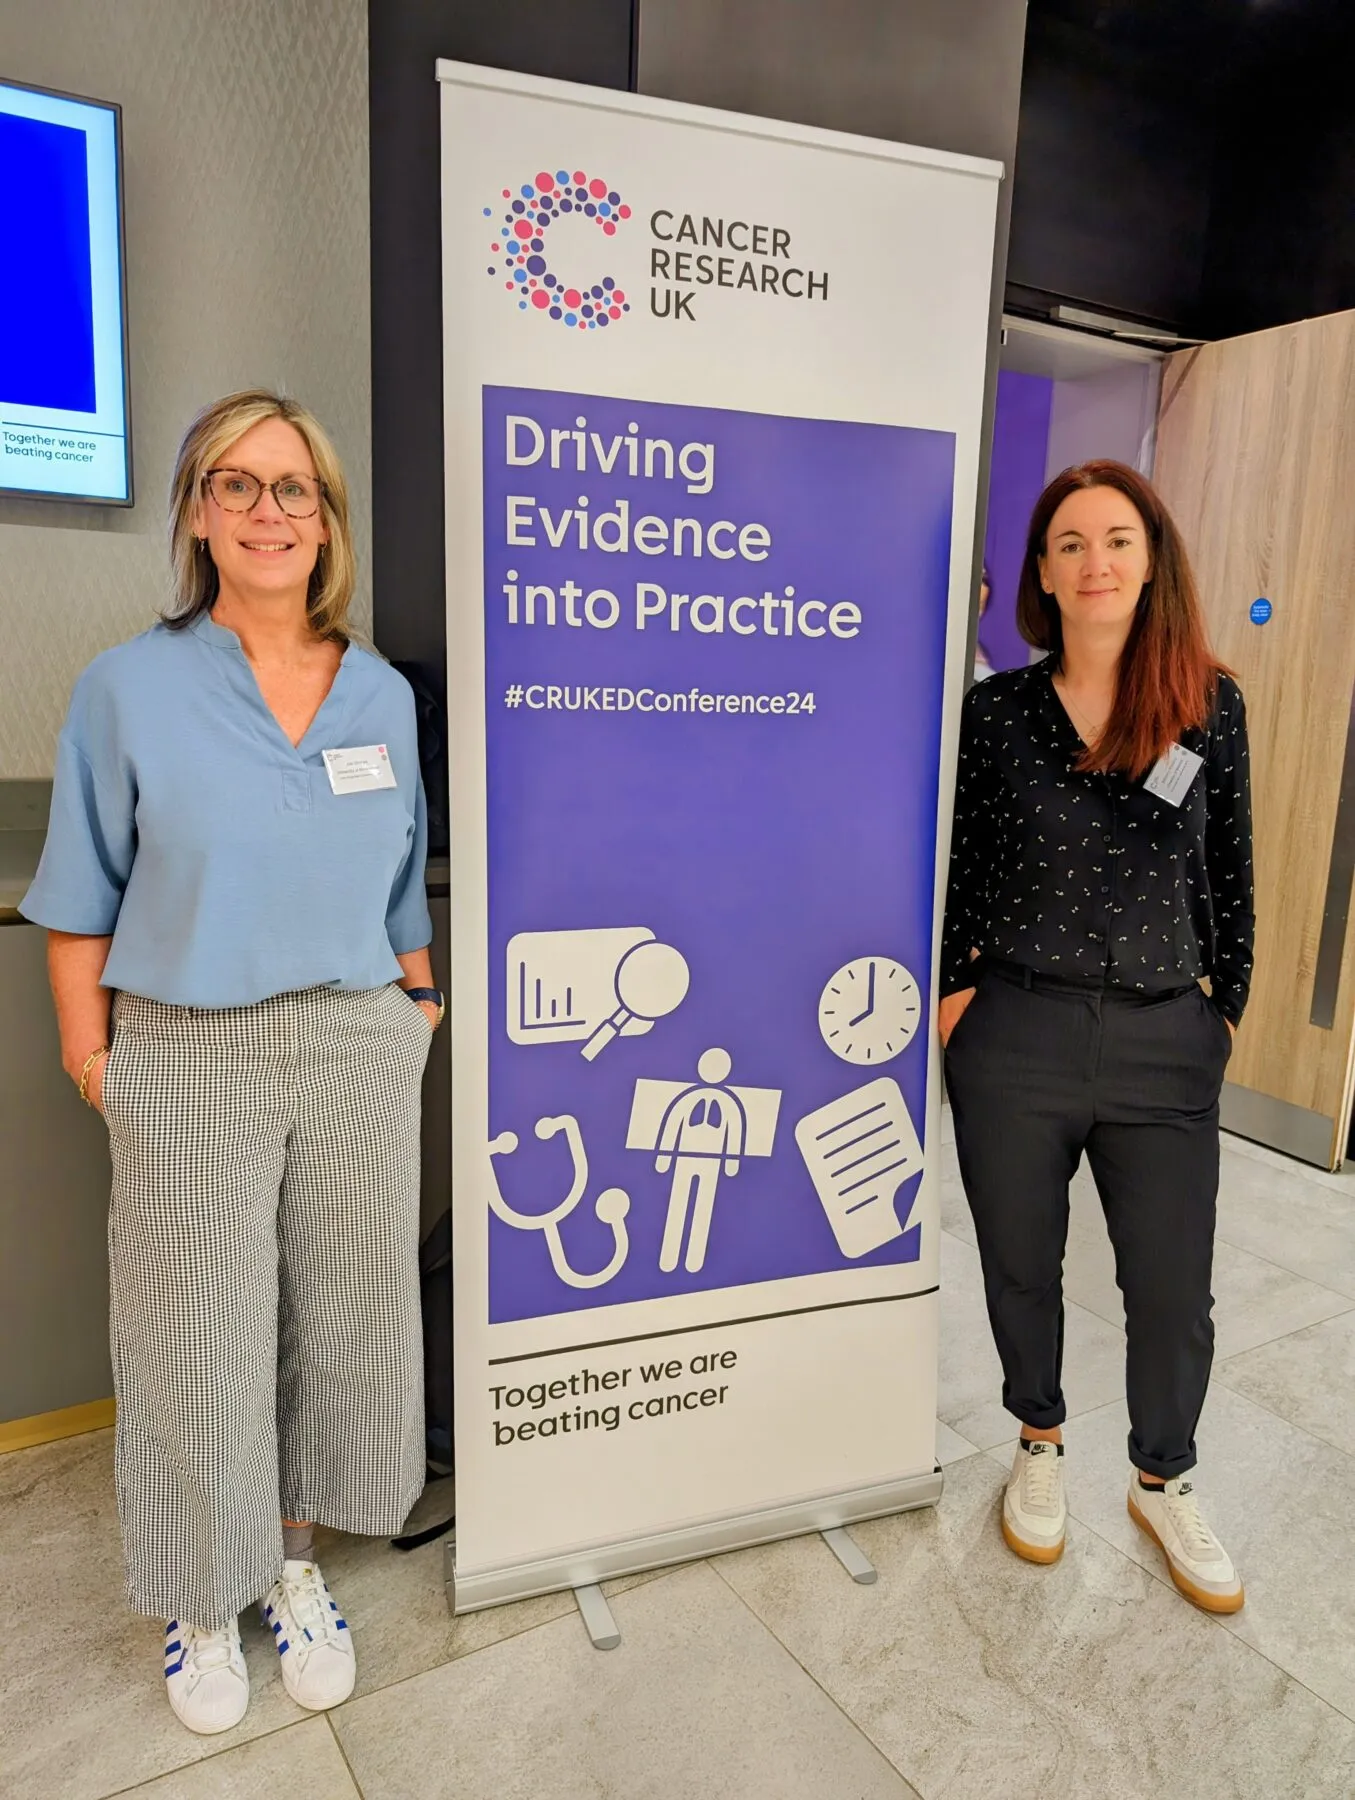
column 1041, row 982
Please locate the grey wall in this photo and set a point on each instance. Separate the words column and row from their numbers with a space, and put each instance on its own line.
column 53, row 1204
column 943, row 73
column 245, row 137
column 1113, row 413
column 587, row 41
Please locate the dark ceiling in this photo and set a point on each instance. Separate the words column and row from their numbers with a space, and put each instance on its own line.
column 1189, row 164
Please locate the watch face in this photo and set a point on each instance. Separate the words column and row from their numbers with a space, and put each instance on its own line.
column 870, row 1010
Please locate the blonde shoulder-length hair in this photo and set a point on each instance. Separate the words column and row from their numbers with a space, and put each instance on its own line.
column 207, row 439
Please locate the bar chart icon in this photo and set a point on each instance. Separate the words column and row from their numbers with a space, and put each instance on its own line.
column 541, row 1007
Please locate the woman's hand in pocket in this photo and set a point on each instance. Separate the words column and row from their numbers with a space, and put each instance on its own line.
column 951, row 1010
column 94, row 1086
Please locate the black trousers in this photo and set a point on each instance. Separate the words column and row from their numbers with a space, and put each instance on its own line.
column 1038, row 1072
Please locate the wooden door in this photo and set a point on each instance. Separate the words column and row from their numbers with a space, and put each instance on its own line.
column 1256, row 459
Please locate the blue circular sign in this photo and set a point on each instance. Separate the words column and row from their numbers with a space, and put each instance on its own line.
column 1261, row 611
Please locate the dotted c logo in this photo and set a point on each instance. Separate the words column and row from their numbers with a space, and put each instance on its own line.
column 520, row 248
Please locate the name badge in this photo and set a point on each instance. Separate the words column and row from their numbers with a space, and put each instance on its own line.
column 1170, row 778
column 360, row 770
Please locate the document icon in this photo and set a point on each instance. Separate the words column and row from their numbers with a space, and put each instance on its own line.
column 859, row 1151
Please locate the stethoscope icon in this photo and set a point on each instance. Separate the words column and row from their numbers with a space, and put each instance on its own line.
column 611, row 1205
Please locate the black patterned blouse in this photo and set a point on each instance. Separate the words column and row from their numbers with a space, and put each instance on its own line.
column 1090, row 876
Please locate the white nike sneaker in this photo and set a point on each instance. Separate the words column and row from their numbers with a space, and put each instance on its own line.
column 1197, row 1562
column 1034, row 1513
column 314, row 1644
column 205, row 1676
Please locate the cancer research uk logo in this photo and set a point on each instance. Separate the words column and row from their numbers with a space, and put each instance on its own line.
column 687, row 251
column 520, row 248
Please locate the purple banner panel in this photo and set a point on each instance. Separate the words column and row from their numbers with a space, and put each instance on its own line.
column 1020, row 446
column 714, row 648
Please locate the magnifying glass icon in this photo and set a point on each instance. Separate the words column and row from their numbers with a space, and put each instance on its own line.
column 651, row 981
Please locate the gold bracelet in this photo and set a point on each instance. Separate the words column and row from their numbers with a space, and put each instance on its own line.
column 88, row 1069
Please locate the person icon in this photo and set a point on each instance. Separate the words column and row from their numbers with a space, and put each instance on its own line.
column 698, row 1131
column 702, row 1136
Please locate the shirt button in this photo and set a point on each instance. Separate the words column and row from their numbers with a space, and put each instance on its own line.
column 1105, row 890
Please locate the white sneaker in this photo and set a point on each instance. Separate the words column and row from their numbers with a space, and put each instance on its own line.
column 313, row 1640
column 1197, row 1562
column 1034, row 1514
column 205, row 1676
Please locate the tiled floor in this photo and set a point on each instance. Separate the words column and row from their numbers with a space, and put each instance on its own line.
column 767, row 1675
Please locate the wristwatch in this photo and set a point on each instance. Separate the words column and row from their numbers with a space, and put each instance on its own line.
column 434, row 997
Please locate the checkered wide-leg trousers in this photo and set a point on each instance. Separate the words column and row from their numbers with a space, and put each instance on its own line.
column 263, row 1251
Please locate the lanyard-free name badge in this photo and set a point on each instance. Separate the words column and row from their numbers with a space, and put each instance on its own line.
column 1171, row 776
column 360, row 770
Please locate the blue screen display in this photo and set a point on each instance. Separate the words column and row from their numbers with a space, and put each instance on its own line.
column 63, row 404
column 47, row 316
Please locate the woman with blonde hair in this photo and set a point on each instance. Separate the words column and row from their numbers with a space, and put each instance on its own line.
column 233, row 890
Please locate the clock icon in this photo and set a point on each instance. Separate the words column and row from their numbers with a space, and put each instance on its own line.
column 870, row 1010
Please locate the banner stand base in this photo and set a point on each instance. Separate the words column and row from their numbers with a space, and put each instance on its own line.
column 850, row 1554
column 587, row 1568
column 598, row 1622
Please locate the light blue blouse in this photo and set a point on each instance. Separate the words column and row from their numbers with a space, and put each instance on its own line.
column 186, row 824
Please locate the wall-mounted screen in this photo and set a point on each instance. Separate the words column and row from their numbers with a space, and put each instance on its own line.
column 64, row 429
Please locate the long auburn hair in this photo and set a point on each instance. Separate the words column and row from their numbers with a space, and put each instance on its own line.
column 1168, row 674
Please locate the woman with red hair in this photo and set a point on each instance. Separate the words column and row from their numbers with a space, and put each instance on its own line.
column 1100, row 867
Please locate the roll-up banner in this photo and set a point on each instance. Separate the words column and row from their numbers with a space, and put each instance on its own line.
column 713, row 389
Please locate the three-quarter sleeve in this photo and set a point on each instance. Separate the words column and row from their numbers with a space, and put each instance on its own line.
column 408, row 924
column 91, row 833
column 1228, row 852
column 971, row 850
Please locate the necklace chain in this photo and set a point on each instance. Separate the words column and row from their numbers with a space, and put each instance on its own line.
column 1096, row 732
